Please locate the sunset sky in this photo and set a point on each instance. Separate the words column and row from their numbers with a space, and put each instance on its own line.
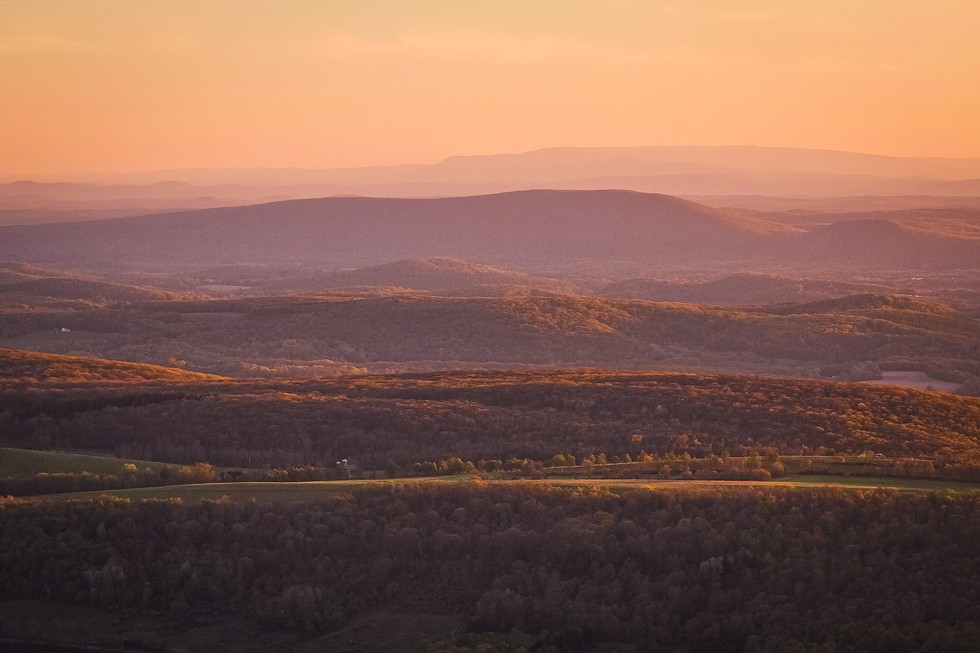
column 117, row 86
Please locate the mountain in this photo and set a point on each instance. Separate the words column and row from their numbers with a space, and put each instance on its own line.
column 731, row 171
column 556, row 163
column 571, row 162
column 526, row 228
column 696, row 170
column 531, row 229
column 777, row 185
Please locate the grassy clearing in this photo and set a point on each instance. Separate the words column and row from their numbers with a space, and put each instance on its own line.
column 316, row 490
column 925, row 485
column 798, row 480
column 24, row 463
column 244, row 491
column 303, row 491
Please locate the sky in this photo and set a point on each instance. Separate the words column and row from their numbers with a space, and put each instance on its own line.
column 144, row 85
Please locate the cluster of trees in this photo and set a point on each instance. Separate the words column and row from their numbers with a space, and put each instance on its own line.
column 754, row 467
column 551, row 569
column 491, row 415
column 759, row 466
column 129, row 476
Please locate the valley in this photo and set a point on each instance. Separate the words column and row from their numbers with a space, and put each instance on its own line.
column 536, row 419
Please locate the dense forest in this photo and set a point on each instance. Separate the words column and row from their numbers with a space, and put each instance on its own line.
column 854, row 338
column 529, row 540
column 375, row 420
column 546, row 569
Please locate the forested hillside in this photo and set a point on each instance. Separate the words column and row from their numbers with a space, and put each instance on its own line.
column 852, row 339
column 23, row 368
column 745, row 289
column 511, row 567
column 375, row 420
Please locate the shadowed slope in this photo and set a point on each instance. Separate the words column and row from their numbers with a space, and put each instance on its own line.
column 887, row 243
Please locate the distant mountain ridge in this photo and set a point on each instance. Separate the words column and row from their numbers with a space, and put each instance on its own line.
column 549, row 164
column 519, row 227
column 525, row 228
column 694, row 171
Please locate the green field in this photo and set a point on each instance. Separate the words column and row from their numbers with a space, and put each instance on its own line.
column 243, row 491
column 930, row 485
column 25, row 463
column 315, row 490
column 798, row 480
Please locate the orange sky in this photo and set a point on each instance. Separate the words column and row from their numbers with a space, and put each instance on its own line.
column 117, row 86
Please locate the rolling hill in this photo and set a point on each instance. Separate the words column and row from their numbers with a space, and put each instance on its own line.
column 889, row 244
column 383, row 331
column 19, row 368
column 27, row 285
column 479, row 414
column 533, row 227
column 38, row 290
column 530, row 229
column 15, row 272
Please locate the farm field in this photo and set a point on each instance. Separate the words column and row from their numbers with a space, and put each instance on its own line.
column 22, row 463
column 304, row 491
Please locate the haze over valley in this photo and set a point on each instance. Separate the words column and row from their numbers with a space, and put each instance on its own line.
column 435, row 327
column 159, row 342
